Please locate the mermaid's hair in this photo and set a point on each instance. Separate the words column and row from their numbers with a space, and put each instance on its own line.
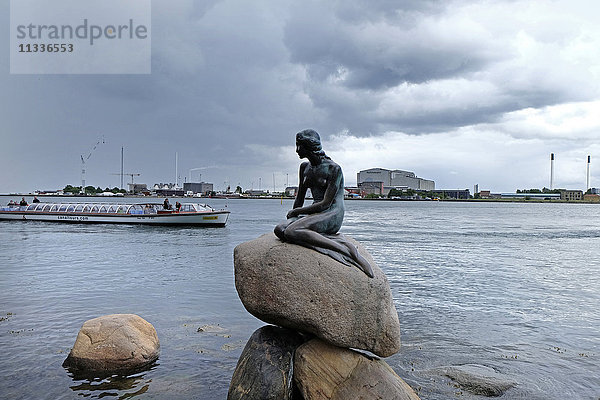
column 310, row 138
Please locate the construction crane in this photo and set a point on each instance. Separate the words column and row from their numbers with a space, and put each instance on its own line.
column 131, row 175
column 84, row 159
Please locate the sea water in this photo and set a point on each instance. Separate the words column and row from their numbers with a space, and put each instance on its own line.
column 511, row 286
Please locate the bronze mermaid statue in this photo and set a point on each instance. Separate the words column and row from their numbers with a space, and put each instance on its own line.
column 316, row 225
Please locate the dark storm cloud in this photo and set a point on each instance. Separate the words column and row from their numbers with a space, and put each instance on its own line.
column 355, row 52
column 232, row 81
column 378, row 47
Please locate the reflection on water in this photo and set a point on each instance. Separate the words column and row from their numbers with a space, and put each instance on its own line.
column 123, row 386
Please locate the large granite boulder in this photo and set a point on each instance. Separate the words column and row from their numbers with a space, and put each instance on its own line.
column 264, row 370
column 299, row 288
column 114, row 343
column 326, row 372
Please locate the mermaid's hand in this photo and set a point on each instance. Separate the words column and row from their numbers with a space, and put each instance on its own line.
column 292, row 213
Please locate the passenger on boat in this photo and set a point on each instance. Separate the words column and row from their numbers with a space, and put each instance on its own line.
column 35, row 200
column 177, row 206
column 23, row 202
column 166, row 204
column 12, row 203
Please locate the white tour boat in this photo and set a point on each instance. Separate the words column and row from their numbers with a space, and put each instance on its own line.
column 149, row 214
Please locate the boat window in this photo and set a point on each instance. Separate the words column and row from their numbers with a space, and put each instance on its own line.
column 39, row 207
column 54, row 207
column 62, row 208
column 87, row 209
column 71, row 208
column 135, row 209
column 102, row 209
column 79, row 208
column 95, row 209
column 188, row 208
column 112, row 209
column 32, row 207
column 122, row 209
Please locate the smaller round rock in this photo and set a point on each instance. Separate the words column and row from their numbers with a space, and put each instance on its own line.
column 114, row 343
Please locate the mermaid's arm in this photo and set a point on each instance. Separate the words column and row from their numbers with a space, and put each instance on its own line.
column 301, row 187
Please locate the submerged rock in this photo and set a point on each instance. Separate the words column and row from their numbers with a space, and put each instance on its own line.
column 264, row 370
column 478, row 379
column 299, row 288
column 114, row 343
column 326, row 372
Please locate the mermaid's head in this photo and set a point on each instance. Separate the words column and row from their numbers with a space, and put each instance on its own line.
column 309, row 140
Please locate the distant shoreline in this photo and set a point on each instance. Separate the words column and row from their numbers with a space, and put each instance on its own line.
column 516, row 200
column 508, row 200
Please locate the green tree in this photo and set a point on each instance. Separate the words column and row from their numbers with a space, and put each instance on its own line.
column 72, row 189
column 394, row 193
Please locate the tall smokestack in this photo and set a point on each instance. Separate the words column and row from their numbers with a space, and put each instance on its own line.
column 122, row 168
column 551, row 171
column 587, row 183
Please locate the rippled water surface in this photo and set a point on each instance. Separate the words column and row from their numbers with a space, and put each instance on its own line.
column 515, row 287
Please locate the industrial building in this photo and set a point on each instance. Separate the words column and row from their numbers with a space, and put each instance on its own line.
column 198, row 187
column 137, row 188
column 381, row 181
column 539, row 196
column 372, row 187
column 571, row 195
column 453, row 193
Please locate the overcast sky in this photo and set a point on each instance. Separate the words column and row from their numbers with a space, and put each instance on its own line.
column 461, row 92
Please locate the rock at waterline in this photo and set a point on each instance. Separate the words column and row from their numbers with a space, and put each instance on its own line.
column 264, row 370
column 478, row 379
column 114, row 343
column 326, row 372
column 302, row 289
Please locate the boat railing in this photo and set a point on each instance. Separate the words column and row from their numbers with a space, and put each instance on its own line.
column 106, row 208
column 13, row 208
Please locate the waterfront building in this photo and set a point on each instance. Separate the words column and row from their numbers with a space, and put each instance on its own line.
column 198, row 187
column 542, row 196
column 351, row 192
column 370, row 187
column 291, row 191
column 592, row 198
column 136, row 188
column 256, row 192
column 571, row 195
column 394, row 179
column 453, row 193
column 170, row 192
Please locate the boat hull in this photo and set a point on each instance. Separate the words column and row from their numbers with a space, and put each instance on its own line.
column 216, row 218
